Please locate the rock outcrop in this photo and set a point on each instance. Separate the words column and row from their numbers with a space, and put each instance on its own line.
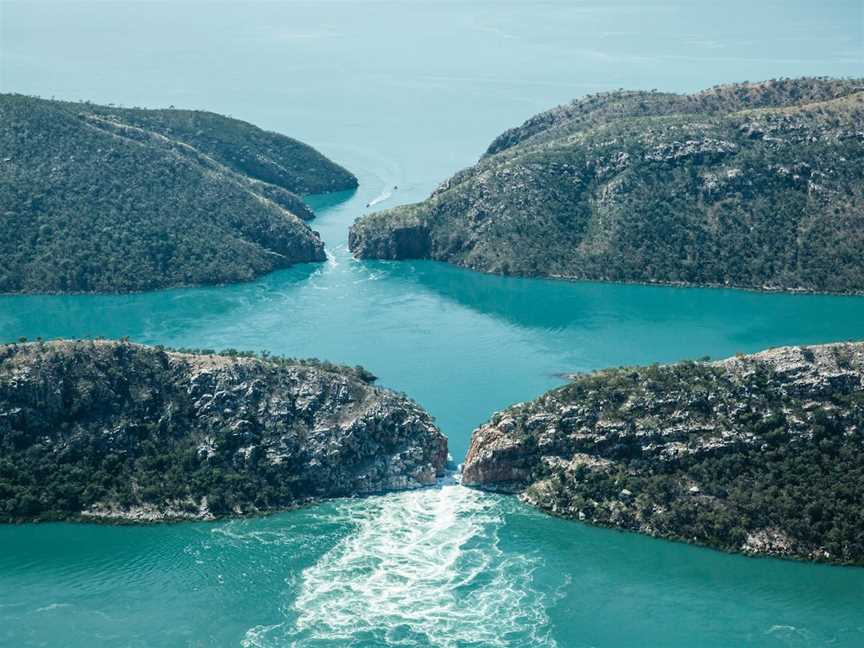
column 753, row 185
column 761, row 454
column 119, row 431
column 105, row 199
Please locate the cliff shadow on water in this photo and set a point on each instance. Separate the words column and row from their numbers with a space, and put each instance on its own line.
column 685, row 321
column 139, row 314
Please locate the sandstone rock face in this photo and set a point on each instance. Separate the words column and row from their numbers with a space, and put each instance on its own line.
column 405, row 242
column 122, row 431
column 762, row 454
column 748, row 185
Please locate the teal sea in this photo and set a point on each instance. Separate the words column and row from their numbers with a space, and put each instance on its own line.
column 404, row 94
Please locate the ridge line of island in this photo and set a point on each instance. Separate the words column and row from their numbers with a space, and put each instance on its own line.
column 107, row 199
column 758, row 186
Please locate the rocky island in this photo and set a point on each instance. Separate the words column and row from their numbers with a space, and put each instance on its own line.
column 122, row 432
column 751, row 185
column 106, row 199
column 760, row 454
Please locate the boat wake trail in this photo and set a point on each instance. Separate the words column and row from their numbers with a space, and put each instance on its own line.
column 384, row 195
column 422, row 568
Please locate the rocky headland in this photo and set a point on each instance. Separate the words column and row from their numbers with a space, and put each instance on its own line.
column 751, row 185
column 107, row 199
column 761, row 454
column 116, row 431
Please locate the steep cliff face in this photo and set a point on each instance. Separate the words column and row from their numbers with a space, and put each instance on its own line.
column 409, row 239
column 104, row 199
column 120, row 431
column 762, row 454
column 747, row 185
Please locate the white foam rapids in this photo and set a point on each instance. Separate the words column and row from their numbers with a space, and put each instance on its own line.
column 422, row 568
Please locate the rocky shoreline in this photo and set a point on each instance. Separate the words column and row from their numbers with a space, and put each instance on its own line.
column 760, row 454
column 114, row 431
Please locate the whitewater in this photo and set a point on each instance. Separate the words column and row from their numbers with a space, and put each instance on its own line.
column 421, row 568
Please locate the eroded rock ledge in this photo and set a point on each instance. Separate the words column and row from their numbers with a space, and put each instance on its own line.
column 761, row 454
column 119, row 431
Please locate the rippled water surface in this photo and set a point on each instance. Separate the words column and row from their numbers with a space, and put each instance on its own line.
column 404, row 94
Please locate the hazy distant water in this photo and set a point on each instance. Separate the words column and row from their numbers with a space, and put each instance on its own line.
column 404, row 94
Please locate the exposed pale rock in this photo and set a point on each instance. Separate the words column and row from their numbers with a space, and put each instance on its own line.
column 121, row 431
column 758, row 453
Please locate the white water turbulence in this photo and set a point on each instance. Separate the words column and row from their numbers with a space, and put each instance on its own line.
column 422, row 568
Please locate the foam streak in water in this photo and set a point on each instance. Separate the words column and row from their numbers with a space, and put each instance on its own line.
column 423, row 568
column 384, row 195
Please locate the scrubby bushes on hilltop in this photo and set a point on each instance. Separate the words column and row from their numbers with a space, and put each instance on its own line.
column 748, row 185
column 119, row 431
column 761, row 454
column 113, row 200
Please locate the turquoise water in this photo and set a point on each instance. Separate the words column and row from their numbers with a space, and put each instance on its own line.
column 403, row 94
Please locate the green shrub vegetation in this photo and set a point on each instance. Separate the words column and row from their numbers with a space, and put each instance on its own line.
column 102, row 199
column 750, row 185
column 760, row 454
column 118, row 427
